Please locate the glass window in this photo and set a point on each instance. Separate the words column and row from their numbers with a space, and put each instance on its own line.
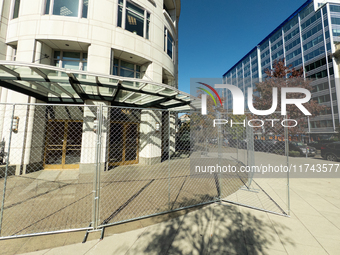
column 311, row 20
column 313, row 42
column 70, row 60
column 168, row 43
column 293, row 44
column 47, row 7
column 311, row 32
column 67, row 7
column 315, row 53
column 334, row 8
column 16, row 9
column 292, row 34
column 335, row 21
column 278, row 44
column 264, row 45
column 137, row 20
column 85, row 8
column 306, row 11
column 291, row 24
column 293, row 54
column 125, row 69
column 276, row 36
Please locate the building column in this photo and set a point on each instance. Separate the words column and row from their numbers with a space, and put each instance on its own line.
column 150, row 139
column 89, row 137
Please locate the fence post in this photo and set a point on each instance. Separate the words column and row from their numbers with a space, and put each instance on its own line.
column 287, row 158
column 96, row 188
column 169, row 168
column 6, row 170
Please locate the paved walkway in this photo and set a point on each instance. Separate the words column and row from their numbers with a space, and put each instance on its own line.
column 313, row 228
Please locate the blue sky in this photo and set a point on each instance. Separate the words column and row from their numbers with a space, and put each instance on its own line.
column 215, row 34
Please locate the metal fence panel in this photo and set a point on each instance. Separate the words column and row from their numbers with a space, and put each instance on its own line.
column 84, row 167
column 45, row 191
column 265, row 143
column 135, row 181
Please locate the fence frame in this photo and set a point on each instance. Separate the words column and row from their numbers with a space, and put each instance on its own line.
column 95, row 223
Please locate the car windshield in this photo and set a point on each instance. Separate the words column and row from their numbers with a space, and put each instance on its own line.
column 298, row 144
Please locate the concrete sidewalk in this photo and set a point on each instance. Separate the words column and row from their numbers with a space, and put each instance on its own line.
column 313, row 228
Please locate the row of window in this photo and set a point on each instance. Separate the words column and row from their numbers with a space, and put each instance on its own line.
column 291, row 24
column 276, row 36
column 277, row 54
column 321, row 74
column 293, row 54
column 328, row 110
column 264, row 54
column 265, row 62
column 292, row 44
column 295, row 62
column 275, row 46
column 306, row 11
column 78, row 61
column 335, row 20
column 314, row 53
column 130, row 17
column 317, row 64
column 325, row 98
column 311, row 20
column 311, row 32
column 321, row 123
column 334, row 8
column 322, row 86
column 292, row 34
column 313, row 42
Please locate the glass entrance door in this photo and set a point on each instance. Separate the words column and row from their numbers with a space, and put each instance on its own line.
column 63, row 144
column 123, row 148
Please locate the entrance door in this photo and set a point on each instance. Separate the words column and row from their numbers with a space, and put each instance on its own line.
column 123, row 148
column 63, row 144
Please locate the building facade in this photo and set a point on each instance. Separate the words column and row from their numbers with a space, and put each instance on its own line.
column 309, row 38
column 105, row 52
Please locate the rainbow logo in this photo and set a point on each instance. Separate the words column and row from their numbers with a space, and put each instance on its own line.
column 209, row 93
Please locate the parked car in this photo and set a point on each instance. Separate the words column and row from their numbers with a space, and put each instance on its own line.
column 279, row 147
column 318, row 144
column 331, row 151
column 302, row 148
column 241, row 144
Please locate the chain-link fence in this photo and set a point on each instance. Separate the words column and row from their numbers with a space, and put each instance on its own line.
column 72, row 167
column 246, row 156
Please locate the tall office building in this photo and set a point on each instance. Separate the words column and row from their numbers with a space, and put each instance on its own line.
column 308, row 38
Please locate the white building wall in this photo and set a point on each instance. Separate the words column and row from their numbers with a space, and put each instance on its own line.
column 35, row 35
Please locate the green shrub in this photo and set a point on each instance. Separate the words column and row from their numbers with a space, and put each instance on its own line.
column 294, row 153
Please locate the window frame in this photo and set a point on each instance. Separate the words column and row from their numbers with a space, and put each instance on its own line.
column 80, row 9
column 120, row 67
column 81, row 59
column 146, row 18
column 13, row 4
column 166, row 40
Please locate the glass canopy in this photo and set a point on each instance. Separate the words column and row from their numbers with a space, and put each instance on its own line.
column 57, row 85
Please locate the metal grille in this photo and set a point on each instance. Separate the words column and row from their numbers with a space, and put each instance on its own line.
column 69, row 167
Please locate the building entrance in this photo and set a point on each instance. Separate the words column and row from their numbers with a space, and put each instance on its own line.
column 63, row 144
column 123, row 148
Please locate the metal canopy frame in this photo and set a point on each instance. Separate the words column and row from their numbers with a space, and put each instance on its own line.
column 58, row 85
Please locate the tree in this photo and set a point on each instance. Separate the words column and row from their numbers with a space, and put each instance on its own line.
column 283, row 76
